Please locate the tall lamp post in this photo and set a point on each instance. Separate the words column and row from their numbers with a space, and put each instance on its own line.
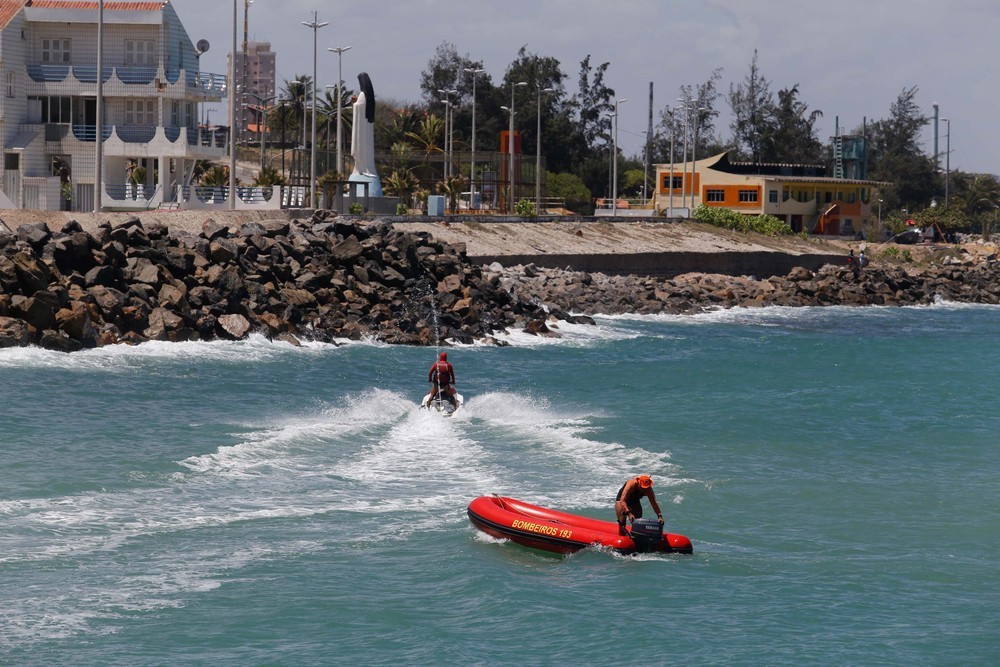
column 449, row 122
column 694, row 146
column 232, row 114
column 99, row 137
column 671, row 113
column 339, row 50
column 472, row 161
column 684, row 151
column 510, row 145
column 947, row 163
column 538, row 149
column 614, row 155
column 315, row 24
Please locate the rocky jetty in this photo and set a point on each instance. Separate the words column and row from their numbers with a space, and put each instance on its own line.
column 336, row 278
column 960, row 279
column 317, row 279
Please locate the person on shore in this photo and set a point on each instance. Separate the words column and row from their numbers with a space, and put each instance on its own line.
column 852, row 264
column 442, row 378
column 627, row 502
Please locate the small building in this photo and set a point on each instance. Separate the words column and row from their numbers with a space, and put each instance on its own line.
column 152, row 90
column 801, row 195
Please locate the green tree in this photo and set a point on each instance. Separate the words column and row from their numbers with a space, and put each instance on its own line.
column 752, row 106
column 572, row 190
column 793, row 131
column 703, row 96
column 895, row 155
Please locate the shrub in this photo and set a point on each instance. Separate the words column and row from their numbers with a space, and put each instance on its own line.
column 525, row 208
column 401, row 209
column 741, row 222
column 356, row 209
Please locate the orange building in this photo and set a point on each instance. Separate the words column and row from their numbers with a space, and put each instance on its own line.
column 801, row 195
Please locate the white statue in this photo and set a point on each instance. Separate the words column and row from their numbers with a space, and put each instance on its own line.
column 363, row 139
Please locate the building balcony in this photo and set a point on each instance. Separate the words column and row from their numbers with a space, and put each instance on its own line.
column 172, row 83
column 154, row 141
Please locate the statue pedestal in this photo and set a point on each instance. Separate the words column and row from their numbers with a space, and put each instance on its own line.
column 374, row 184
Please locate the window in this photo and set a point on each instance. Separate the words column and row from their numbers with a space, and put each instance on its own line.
column 140, row 112
column 672, row 183
column 55, row 109
column 852, row 197
column 55, row 51
column 772, row 196
column 11, row 80
column 748, row 196
column 715, row 195
column 139, row 52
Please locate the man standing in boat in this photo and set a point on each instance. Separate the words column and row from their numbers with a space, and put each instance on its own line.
column 442, row 375
column 627, row 502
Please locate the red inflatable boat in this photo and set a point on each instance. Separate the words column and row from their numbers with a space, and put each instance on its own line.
column 562, row 533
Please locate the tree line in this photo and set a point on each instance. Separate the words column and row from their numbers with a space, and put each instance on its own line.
column 768, row 124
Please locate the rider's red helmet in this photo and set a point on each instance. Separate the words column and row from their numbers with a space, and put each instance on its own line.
column 645, row 481
column 443, row 356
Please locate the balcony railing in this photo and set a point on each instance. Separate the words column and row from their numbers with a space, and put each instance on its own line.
column 206, row 81
column 41, row 73
column 88, row 73
column 130, row 191
column 89, row 132
column 136, row 134
column 136, row 75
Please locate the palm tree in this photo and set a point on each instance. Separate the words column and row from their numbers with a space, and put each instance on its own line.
column 216, row 176
column 431, row 128
column 452, row 187
column 401, row 183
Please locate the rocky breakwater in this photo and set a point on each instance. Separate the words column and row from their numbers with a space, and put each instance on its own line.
column 959, row 279
column 318, row 279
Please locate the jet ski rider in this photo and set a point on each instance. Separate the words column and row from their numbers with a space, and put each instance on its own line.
column 627, row 502
column 442, row 375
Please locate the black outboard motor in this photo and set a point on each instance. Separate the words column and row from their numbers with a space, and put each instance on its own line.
column 647, row 534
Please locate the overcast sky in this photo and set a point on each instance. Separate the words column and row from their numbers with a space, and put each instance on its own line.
column 850, row 58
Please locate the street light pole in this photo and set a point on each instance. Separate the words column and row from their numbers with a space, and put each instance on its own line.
column 340, row 84
column 673, row 126
column 947, row 163
column 510, row 145
column 315, row 24
column 694, row 147
column 538, row 149
column 684, row 150
column 614, row 155
column 472, row 162
column 232, row 114
column 449, row 122
column 99, row 137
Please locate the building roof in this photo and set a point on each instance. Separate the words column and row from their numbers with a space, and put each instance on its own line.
column 9, row 9
column 116, row 6
column 825, row 180
column 21, row 140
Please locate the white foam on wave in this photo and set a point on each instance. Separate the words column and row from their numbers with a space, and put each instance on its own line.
column 291, row 442
column 570, row 335
column 561, row 447
column 113, row 358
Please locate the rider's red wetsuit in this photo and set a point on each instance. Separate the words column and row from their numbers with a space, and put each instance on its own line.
column 443, row 374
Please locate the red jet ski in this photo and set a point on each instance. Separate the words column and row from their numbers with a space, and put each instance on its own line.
column 562, row 533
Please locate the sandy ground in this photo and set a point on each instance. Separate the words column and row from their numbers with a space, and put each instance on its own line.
column 583, row 238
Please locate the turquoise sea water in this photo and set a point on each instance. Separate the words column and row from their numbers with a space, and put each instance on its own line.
column 253, row 503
